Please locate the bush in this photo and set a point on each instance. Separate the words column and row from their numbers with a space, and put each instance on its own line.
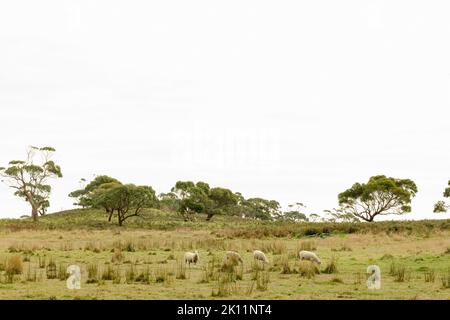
column 430, row 276
column 51, row 270
column 14, row 266
column 307, row 269
column 92, row 270
column 331, row 266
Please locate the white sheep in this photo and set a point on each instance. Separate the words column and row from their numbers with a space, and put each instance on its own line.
column 259, row 255
column 233, row 258
column 191, row 257
column 374, row 280
column 308, row 255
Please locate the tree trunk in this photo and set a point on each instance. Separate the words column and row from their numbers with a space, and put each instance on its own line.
column 209, row 217
column 34, row 213
column 110, row 215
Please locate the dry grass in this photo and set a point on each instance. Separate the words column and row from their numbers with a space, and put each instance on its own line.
column 14, row 265
column 149, row 272
column 307, row 269
column 332, row 266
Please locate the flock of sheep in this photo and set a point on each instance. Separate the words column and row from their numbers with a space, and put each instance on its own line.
column 233, row 257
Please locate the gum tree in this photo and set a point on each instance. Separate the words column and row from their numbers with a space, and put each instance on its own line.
column 30, row 178
column 86, row 197
column 381, row 195
column 127, row 200
column 442, row 206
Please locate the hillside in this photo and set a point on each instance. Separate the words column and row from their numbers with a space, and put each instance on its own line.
column 226, row 226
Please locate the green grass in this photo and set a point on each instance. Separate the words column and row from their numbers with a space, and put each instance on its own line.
column 224, row 226
column 143, row 259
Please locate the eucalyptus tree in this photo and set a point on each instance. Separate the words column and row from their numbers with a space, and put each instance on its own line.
column 127, row 200
column 442, row 206
column 30, row 178
column 381, row 195
column 86, row 197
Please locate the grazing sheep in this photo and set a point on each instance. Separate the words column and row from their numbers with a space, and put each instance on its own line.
column 74, row 280
column 259, row 255
column 374, row 280
column 308, row 255
column 233, row 258
column 191, row 257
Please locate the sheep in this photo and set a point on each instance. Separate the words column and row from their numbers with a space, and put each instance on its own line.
column 374, row 280
column 308, row 255
column 259, row 255
column 74, row 279
column 232, row 258
column 191, row 257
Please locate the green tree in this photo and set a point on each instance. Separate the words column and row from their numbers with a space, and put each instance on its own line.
column 442, row 206
column 127, row 200
column 295, row 214
column 261, row 209
column 381, row 195
column 222, row 202
column 199, row 197
column 31, row 179
column 193, row 198
column 313, row 217
column 86, row 197
column 169, row 201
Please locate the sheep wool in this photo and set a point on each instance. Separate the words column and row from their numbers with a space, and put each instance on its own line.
column 308, row 255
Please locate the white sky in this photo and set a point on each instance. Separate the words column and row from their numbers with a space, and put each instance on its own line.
column 287, row 100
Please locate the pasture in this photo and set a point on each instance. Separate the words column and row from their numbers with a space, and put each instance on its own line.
column 138, row 262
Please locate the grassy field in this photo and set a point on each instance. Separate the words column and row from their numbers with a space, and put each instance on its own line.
column 143, row 260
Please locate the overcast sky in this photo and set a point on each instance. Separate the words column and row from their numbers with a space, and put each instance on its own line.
column 286, row 100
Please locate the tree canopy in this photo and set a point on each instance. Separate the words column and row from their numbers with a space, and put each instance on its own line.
column 126, row 200
column 381, row 195
column 31, row 179
column 87, row 196
column 261, row 209
column 442, row 206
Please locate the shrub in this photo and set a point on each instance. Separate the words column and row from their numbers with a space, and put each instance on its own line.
column 445, row 279
column 14, row 265
column 399, row 272
column 225, row 285
column 430, row 276
column 51, row 270
column 129, row 246
column 92, row 270
column 262, row 280
column 307, row 269
column 331, row 266
column 285, row 265
column 31, row 276
column 144, row 276
column 108, row 273
column 209, row 271
column 181, row 270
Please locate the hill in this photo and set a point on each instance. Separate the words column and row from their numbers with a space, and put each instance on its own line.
column 226, row 226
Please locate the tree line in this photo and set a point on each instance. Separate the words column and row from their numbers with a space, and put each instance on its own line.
column 380, row 195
